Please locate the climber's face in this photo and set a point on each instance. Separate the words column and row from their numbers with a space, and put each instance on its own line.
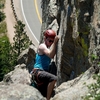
column 49, row 41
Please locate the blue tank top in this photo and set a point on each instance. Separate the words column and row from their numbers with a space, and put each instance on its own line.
column 42, row 62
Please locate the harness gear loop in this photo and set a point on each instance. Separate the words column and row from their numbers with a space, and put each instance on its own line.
column 36, row 74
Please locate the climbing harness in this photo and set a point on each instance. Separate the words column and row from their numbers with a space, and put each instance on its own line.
column 35, row 79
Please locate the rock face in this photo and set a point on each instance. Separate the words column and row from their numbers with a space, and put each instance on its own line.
column 28, row 57
column 16, row 86
column 75, row 89
column 77, row 24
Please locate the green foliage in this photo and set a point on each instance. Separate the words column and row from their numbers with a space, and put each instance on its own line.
column 5, row 54
column 21, row 40
column 6, row 51
column 94, row 89
column 2, row 2
column 2, row 16
column 9, row 53
column 94, row 57
column 1, row 6
column 3, row 27
column 85, row 47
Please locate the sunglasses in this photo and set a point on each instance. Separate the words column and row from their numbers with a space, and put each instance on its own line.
column 50, row 41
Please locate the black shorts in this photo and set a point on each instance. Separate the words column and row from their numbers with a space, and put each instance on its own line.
column 46, row 77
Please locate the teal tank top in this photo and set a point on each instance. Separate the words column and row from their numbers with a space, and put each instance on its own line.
column 42, row 62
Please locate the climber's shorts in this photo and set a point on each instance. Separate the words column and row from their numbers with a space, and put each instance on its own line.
column 44, row 76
